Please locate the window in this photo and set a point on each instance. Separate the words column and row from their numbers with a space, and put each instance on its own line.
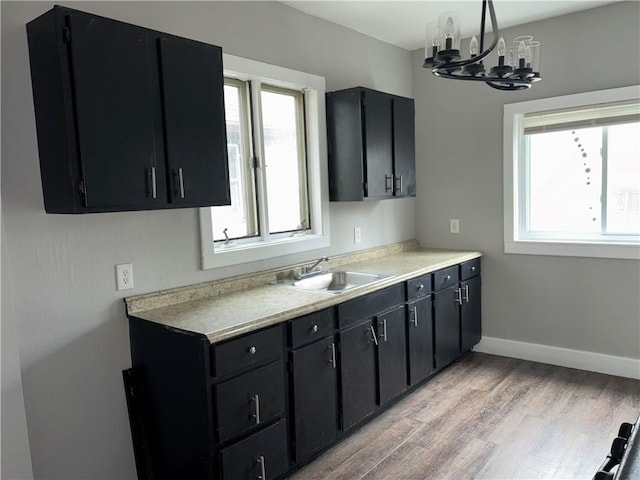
column 572, row 175
column 276, row 144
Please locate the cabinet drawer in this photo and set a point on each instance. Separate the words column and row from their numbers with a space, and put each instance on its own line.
column 311, row 327
column 252, row 349
column 445, row 278
column 262, row 455
column 470, row 269
column 354, row 310
column 419, row 287
column 250, row 400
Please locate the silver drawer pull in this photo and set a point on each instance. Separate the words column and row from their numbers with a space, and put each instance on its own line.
column 256, row 405
column 420, row 287
column 473, row 269
column 154, row 189
column 263, row 469
column 252, row 350
column 466, row 293
column 374, row 339
column 448, row 277
column 384, row 329
column 181, row 179
column 415, row 316
column 314, row 329
column 458, row 297
column 332, row 360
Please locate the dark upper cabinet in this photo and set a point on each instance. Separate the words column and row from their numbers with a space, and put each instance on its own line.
column 404, row 147
column 192, row 92
column 371, row 138
column 127, row 118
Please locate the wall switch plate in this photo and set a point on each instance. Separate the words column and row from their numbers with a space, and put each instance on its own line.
column 124, row 276
column 357, row 235
column 454, row 225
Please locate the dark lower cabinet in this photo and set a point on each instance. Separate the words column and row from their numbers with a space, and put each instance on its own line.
column 420, row 340
column 392, row 355
column 446, row 325
column 250, row 400
column 470, row 313
column 315, row 396
column 263, row 455
column 357, row 372
column 261, row 404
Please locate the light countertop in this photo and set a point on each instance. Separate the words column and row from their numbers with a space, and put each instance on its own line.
column 225, row 315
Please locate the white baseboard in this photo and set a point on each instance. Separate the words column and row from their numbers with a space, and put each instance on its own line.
column 564, row 357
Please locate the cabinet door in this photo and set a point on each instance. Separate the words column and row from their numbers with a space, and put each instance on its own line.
column 447, row 325
column 117, row 112
column 404, row 147
column 392, row 355
column 315, row 396
column 470, row 316
column 378, row 146
column 357, row 373
column 420, row 338
column 195, row 132
column 250, row 400
column 262, row 455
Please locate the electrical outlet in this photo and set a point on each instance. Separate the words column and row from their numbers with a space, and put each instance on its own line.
column 124, row 276
column 357, row 235
column 454, row 225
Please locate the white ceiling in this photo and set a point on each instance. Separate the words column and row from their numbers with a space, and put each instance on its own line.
column 402, row 22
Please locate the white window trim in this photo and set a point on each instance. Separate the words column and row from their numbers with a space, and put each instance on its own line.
column 221, row 255
column 513, row 115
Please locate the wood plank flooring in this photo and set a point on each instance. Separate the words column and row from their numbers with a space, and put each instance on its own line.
column 489, row 417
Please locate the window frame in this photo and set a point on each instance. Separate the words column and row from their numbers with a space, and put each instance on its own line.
column 317, row 236
column 515, row 183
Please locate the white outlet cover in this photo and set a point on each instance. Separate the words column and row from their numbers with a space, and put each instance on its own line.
column 454, row 225
column 124, row 276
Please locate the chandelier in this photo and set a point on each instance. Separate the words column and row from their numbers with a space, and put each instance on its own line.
column 518, row 64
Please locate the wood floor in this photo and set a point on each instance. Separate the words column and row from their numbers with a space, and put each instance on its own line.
column 489, row 417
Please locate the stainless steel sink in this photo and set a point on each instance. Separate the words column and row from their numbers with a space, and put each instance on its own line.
column 333, row 281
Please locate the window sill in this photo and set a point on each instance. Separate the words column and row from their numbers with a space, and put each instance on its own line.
column 574, row 249
column 233, row 254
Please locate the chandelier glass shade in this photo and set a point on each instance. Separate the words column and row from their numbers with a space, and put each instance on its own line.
column 518, row 65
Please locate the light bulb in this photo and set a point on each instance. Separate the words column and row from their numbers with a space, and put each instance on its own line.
column 528, row 56
column 473, row 46
column 502, row 47
column 522, row 50
column 448, row 29
column 435, row 41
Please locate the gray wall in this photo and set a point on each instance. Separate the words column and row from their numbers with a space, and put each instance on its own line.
column 71, row 329
column 577, row 303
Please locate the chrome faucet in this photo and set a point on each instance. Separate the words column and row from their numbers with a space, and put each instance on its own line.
column 315, row 265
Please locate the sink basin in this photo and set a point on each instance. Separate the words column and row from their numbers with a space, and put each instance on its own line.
column 334, row 281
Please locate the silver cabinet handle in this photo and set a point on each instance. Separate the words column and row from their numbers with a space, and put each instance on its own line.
column 256, row 405
column 388, row 183
column 374, row 339
column 263, row 469
column 314, row 329
column 415, row 316
column 332, row 360
column 420, row 287
column 252, row 350
column 466, row 293
column 154, row 189
column 458, row 297
column 384, row 329
column 181, row 180
column 473, row 269
column 395, row 180
column 448, row 277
